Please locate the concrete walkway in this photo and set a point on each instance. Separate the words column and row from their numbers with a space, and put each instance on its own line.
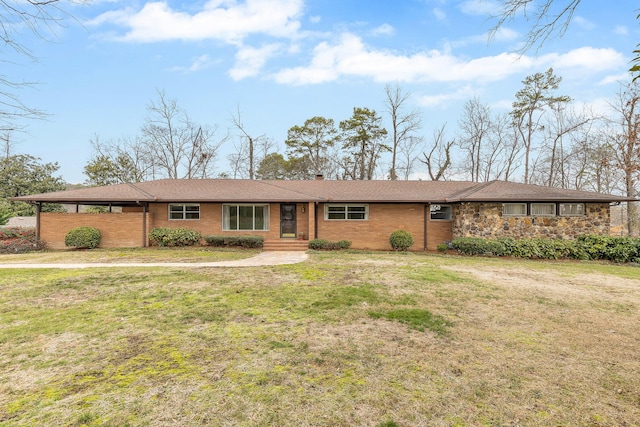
column 262, row 259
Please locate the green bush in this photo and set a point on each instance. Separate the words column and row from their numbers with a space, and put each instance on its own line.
column 344, row 244
column 479, row 246
column 400, row 240
column 322, row 244
column 318, row 244
column 165, row 236
column 83, row 238
column 442, row 247
column 235, row 241
column 586, row 247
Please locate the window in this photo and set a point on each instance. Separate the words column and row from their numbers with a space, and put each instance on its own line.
column 442, row 212
column 543, row 209
column 245, row 217
column 346, row 212
column 514, row 209
column 572, row 209
column 184, row 211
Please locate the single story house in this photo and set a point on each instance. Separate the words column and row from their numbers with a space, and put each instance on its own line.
column 364, row 212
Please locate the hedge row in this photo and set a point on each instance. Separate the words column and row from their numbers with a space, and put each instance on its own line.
column 165, row 236
column 235, row 241
column 586, row 247
column 322, row 244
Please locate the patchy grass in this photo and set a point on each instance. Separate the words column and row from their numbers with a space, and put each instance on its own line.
column 382, row 339
column 415, row 318
column 123, row 255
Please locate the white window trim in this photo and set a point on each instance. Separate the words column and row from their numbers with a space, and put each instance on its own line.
column 346, row 211
column 508, row 214
column 584, row 209
column 238, row 205
column 440, row 219
column 184, row 211
column 555, row 208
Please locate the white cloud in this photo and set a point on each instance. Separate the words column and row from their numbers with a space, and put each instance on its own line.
column 480, row 7
column 503, row 34
column 200, row 63
column 440, row 14
column 583, row 23
column 615, row 79
column 621, row 30
column 249, row 60
column 445, row 98
column 587, row 59
column 350, row 57
column 383, row 30
column 226, row 20
column 315, row 19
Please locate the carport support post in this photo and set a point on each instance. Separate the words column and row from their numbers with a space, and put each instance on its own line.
column 144, row 225
column 38, row 209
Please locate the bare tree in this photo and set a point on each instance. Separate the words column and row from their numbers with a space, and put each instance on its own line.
column 120, row 161
column 438, row 160
column 475, row 126
column 178, row 147
column 591, row 163
column 40, row 17
column 7, row 143
column 558, row 130
column 551, row 18
column 626, row 143
column 250, row 150
column 404, row 124
column 407, row 156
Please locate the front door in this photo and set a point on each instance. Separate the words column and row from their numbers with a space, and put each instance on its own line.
column 288, row 220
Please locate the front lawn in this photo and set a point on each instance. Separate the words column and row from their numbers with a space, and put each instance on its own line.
column 133, row 255
column 344, row 339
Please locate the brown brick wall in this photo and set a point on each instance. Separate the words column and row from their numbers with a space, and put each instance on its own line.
column 438, row 231
column 374, row 234
column 116, row 229
column 210, row 221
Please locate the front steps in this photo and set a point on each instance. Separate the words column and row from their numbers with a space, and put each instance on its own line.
column 285, row 245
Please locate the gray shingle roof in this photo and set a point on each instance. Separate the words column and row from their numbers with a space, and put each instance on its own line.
column 225, row 190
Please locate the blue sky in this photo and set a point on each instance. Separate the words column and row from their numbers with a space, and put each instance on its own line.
column 281, row 62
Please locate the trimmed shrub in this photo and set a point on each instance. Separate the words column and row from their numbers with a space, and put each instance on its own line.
column 248, row 242
column 318, row 244
column 165, row 236
column 326, row 245
column 442, row 247
column 479, row 246
column 344, row 244
column 400, row 240
column 83, row 238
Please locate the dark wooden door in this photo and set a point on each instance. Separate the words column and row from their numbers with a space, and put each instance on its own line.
column 288, row 220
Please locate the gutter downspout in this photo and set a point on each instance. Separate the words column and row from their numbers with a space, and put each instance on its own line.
column 427, row 208
column 315, row 221
column 144, row 224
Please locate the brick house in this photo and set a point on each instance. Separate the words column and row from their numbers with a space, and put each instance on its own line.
column 364, row 212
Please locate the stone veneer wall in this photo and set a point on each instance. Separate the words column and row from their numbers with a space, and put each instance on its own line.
column 486, row 220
